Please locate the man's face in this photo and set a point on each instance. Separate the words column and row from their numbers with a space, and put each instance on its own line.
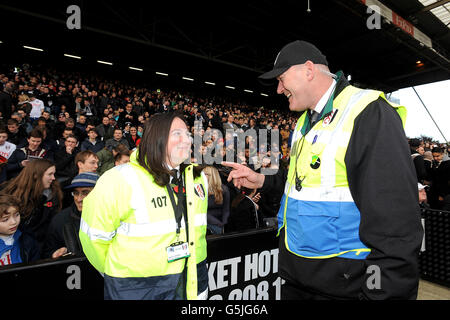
column 92, row 135
column 34, row 143
column 13, row 128
column 105, row 121
column 117, row 134
column 3, row 138
column 294, row 84
column 70, row 124
column 66, row 133
column 79, row 194
column 70, row 142
column 89, row 165
column 437, row 156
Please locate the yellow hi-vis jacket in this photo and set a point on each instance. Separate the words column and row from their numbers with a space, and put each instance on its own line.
column 128, row 222
column 321, row 219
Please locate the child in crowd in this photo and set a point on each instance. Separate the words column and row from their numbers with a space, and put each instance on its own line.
column 15, row 246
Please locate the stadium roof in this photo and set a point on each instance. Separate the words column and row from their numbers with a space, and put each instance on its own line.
column 232, row 42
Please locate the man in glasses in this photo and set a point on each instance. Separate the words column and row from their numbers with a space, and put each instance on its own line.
column 62, row 236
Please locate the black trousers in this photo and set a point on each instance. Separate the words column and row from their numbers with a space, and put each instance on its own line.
column 290, row 291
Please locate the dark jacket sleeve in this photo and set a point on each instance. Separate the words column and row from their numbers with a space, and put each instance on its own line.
column 419, row 164
column 64, row 163
column 226, row 204
column 14, row 166
column 54, row 238
column 383, row 183
column 275, row 182
column 29, row 249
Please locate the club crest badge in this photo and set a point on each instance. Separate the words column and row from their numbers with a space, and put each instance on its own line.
column 328, row 119
column 199, row 191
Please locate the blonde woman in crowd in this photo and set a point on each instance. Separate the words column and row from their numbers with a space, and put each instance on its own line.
column 218, row 201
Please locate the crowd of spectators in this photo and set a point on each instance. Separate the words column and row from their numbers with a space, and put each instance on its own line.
column 432, row 163
column 83, row 123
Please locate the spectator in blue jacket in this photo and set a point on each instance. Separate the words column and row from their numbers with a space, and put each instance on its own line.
column 15, row 246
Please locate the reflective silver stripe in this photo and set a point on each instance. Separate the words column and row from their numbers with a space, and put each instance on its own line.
column 96, row 234
column 200, row 219
column 336, row 194
column 148, row 229
column 157, row 228
column 324, row 136
column 137, row 195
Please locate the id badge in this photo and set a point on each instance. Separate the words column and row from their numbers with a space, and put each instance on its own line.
column 177, row 250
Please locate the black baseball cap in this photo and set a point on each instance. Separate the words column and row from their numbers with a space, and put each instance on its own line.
column 297, row 52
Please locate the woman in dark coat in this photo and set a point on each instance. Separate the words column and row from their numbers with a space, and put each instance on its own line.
column 40, row 195
column 218, row 201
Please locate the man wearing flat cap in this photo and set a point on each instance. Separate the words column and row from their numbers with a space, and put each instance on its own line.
column 62, row 237
column 349, row 221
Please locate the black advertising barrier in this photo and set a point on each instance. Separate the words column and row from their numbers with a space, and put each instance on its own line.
column 242, row 266
column 435, row 259
column 65, row 278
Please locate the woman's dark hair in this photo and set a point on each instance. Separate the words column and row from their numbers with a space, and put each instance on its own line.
column 152, row 151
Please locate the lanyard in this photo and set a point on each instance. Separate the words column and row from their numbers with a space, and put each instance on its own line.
column 179, row 208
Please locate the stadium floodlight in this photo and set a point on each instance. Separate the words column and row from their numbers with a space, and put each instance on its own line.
column 71, row 56
column 230, row 87
column 134, row 68
column 33, row 48
column 246, row 90
column 162, row 74
column 211, row 83
column 105, row 62
column 265, row 95
column 188, row 79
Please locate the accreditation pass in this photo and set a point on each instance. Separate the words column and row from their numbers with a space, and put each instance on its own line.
column 177, row 250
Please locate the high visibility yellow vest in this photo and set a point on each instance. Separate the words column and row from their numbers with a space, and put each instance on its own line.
column 321, row 220
column 128, row 222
